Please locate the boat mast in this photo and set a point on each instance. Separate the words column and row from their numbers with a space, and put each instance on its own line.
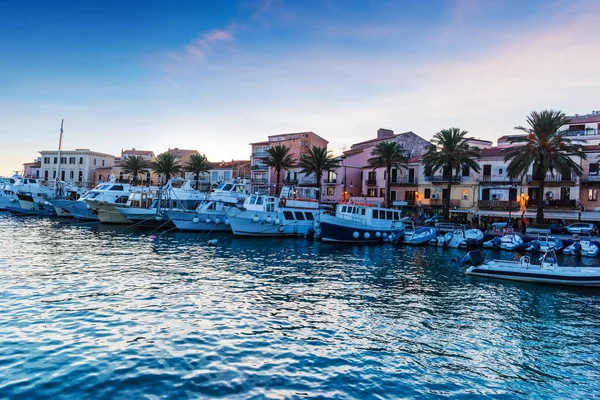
column 60, row 147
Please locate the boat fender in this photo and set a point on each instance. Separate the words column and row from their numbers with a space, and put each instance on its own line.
column 213, row 242
column 208, row 220
column 277, row 221
column 367, row 235
column 355, row 235
column 281, row 228
column 195, row 220
column 377, row 234
column 255, row 218
column 268, row 220
column 159, row 217
column 217, row 221
column 226, row 221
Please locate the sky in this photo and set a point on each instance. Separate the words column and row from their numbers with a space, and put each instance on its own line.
column 217, row 75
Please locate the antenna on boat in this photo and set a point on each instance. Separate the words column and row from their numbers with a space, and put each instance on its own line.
column 58, row 188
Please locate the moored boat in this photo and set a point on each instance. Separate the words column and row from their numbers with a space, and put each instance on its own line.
column 509, row 241
column 418, row 236
column 523, row 270
column 362, row 223
column 582, row 247
column 544, row 243
column 459, row 238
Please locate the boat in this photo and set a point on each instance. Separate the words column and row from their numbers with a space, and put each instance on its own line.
column 509, row 241
column 86, row 208
column 177, row 195
column 358, row 222
column 418, row 236
column 523, row 270
column 582, row 247
column 293, row 213
column 543, row 243
column 459, row 238
column 211, row 213
column 31, row 195
column 141, row 197
column 8, row 196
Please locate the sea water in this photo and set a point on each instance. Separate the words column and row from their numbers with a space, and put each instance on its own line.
column 94, row 311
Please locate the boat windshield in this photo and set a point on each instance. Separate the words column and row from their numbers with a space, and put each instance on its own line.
column 549, row 257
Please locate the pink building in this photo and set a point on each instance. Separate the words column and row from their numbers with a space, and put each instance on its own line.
column 265, row 178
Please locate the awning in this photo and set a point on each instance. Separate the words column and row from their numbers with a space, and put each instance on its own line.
column 568, row 215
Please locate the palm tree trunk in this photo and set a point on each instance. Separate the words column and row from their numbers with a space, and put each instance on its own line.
column 447, row 208
column 319, row 176
column 197, row 179
column 539, row 218
column 388, row 194
column 277, row 184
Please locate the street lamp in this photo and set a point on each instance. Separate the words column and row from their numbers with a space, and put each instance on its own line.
column 346, row 180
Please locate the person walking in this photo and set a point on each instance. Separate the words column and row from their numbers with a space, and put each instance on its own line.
column 523, row 224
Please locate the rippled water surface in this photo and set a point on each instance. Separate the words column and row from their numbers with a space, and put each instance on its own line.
column 103, row 312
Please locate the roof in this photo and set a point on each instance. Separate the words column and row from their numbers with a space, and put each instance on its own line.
column 181, row 152
column 33, row 164
column 138, row 152
column 585, row 119
column 591, row 148
column 296, row 133
column 492, row 152
column 383, row 139
column 229, row 164
column 506, row 137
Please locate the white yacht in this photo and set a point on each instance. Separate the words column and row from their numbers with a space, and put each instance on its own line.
column 211, row 214
column 8, row 196
column 361, row 223
column 31, row 194
column 109, row 192
column 141, row 197
column 293, row 213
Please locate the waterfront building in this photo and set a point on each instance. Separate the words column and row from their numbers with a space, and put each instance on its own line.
column 356, row 180
column 76, row 166
column 222, row 171
column 590, row 180
column 264, row 178
column 32, row 169
column 149, row 177
column 585, row 126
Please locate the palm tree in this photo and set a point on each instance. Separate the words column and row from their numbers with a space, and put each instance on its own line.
column 449, row 151
column 278, row 157
column 388, row 155
column 167, row 164
column 134, row 165
column 198, row 164
column 316, row 161
column 546, row 149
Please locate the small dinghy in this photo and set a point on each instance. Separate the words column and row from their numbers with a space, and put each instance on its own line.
column 418, row 236
column 547, row 272
column 544, row 243
column 510, row 241
column 459, row 237
column 583, row 247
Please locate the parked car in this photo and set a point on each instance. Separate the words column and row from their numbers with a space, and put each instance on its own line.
column 558, row 228
column 581, row 227
column 499, row 225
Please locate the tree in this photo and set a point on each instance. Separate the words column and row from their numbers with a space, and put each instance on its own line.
column 167, row 164
column 278, row 157
column 449, row 151
column 134, row 165
column 388, row 155
column 198, row 164
column 545, row 149
column 316, row 161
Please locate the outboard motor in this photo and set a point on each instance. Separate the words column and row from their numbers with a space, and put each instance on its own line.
column 496, row 242
column 577, row 248
column 474, row 257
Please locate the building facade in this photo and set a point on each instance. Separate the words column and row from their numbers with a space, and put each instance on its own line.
column 75, row 166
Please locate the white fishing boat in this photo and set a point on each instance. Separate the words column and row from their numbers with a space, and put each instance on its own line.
column 362, row 223
column 177, row 195
column 418, row 236
column 211, row 214
column 523, row 270
column 509, row 241
column 544, row 243
column 582, row 247
column 293, row 213
column 460, row 238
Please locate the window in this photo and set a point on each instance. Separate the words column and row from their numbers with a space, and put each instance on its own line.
column 465, row 194
column 309, row 216
column 330, row 191
column 95, row 161
column 382, row 192
column 46, row 175
column 299, row 215
column 372, row 175
column 54, row 174
column 593, row 195
column 63, row 160
column 80, row 160
column 288, row 215
column 227, row 175
column 375, row 214
column 593, row 169
column 121, row 176
column 500, row 171
column 103, row 162
column 117, row 187
column 466, row 171
column 71, row 175
column 214, row 176
column 487, row 169
column 55, row 160
column 372, row 192
column 427, row 194
column 80, row 176
column 46, row 160
column 71, row 160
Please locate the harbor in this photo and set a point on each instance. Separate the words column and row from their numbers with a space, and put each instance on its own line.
column 90, row 307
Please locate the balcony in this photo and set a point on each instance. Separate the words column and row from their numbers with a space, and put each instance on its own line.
column 259, row 181
column 290, row 181
column 497, row 179
column 559, row 203
column 404, row 180
column 442, row 202
column 557, row 178
column 259, row 167
column 590, row 178
column 498, row 205
column 587, row 132
column 371, row 182
column 308, row 180
column 442, row 178
column 328, row 181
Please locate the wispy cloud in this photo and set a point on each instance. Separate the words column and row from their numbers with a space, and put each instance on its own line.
column 198, row 49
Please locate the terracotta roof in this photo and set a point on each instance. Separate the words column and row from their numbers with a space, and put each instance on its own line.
column 492, row 152
column 229, row 164
column 506, row 137
column 382, row 139
column 593, row 147
column 33, row 164
column 415, row 159
column 138, row 152
column 181, row 152
column 584, row 119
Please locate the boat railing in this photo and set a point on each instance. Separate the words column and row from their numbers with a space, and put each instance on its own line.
column 525, row 261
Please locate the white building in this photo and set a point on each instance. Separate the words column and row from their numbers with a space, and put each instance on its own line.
column 75, row 166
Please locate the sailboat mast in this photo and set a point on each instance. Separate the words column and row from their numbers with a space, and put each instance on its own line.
column 60, row 147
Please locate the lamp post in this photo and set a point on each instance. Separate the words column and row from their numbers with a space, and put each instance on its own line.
column 345, row 180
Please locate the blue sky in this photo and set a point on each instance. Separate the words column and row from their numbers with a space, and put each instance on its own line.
column 217, row 75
